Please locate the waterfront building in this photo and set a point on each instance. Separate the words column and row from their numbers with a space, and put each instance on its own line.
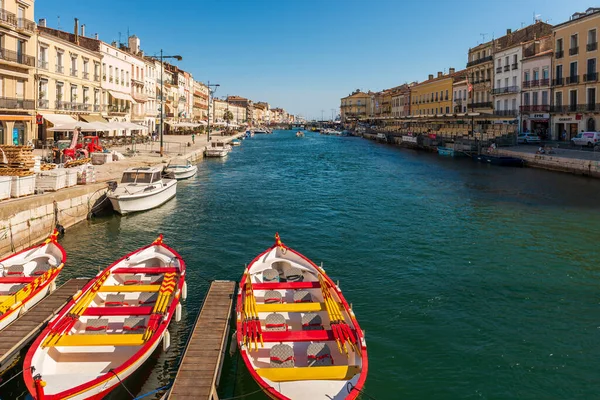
column 217, row 109
column 507, row 81
column 433, row 96
column 575, row 78
column 138, row 84
column 151, row 90
column 242, row 101
column 116, row 83
column 17, row 67
column 480, row 75
column 259, row 113
column 67, row 79
column 535, row 95
column 200, row 106
column 460, row 95
column 401, row 100
column 239, row 114
column 354, row 106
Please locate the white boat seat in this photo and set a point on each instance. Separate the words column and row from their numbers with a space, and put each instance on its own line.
column 272, row 296
column 302, row 296
column 15, row 288
column 96, row 326
column 14, row 270
column 270, row 275
column 275, row 322
column 156, row 279
column 134, row 325
column 318, row 355
column 41, row 269
column 312, row 322
column 132, row 279
column 147, row 298
column 282, row 356
column 114, row 300
column 294, row 275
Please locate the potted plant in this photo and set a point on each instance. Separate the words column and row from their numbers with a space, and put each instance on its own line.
column 42, row 94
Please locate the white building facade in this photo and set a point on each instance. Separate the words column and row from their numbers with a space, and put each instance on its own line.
column 536, row 92
column 116, row 83
column 507, row 81
column 460, row 97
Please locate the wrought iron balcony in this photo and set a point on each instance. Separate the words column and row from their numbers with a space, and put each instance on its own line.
column 592, row 46
column 590, row 77
column 480, row 61
column 544, row 82
column 15, row 104
column 505, row 90
column 515, row 65
column 506, row 68
column 558, row 81
column 498, row 70
column 594, row 107
column 536, row 108
column 573, row 51
column 98, row 108
column 42, row 64
column 72, row 106
column 20, row 58
column 506, row 113
column 526, row 84
column 559, row 53
column 114, row 109
column 569, row 80
column 486, row 104
column 43, row 103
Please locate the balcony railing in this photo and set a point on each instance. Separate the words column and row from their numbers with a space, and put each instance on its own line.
column 537, row 108
column 559, row 53
column 573, row 51
column 42, row 103
column 86, row 75
column 60, row 69
column 498, row 70
column 506, row 68
column 112, row 109
column 590, row 77
column 42, row 64
column 595, row 107
column 8, row 17
column 20, row 58
column 73, row 72
column 515, row 66
column 98, row 108
column 504, row 90
column 592, row 46
column 72, row 106
column 569, row 80
column 506, row 113
column 25, row 24
column 544, row 82
column 14, row 103
column 480, row 61
column 486, row 104
column 558, row 81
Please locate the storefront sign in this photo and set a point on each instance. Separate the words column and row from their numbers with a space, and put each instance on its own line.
column 409, row 139
column 565, row 119
column 539, row 116
column 15, row 136
column 39, row 119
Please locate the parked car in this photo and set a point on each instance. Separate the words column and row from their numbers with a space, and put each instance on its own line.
column 526, row 137
column 586, row 139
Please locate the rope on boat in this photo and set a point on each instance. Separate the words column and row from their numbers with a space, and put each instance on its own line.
column 13, row 377
column 350, row 387
column 121, row 382
column 160, row 389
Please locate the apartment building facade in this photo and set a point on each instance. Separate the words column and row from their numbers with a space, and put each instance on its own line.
column 354, row 106
column 536, row 96
column 433, row 96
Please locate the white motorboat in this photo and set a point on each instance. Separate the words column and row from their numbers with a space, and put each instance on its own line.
column 299, row 134
column 180, row 168
column 141, row 189
column 217, row 149
column 260, row 131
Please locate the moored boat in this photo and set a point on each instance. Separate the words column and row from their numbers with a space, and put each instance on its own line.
column 297, row 335
column 503, row 161
column 180, row 168
column 236, row 142
column 217, row 149
column 299, row 134
column 109, row 328
column 28, row 276
column 141, row 189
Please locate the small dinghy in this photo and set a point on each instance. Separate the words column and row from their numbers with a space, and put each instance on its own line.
column 109, row 328
column 298, row 336
column 28, row 276
column 180, row 168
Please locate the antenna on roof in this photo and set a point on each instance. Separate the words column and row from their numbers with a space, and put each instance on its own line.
column 58, row 22
column 483, row 35
column 119, row 38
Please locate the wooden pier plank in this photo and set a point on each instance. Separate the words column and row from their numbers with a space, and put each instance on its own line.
column 24, row 329
column 197, row 374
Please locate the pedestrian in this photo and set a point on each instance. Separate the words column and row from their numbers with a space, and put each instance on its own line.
column 564, row 135
column 193, row 138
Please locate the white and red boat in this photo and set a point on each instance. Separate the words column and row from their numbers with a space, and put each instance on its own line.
column 297, row 334
column 109, row 328
column 27, row 277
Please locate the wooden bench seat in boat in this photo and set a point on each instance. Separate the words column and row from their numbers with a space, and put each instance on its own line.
column 327, row 373
column 117, row 339
column 320, row 335
column 285, row 285
column 146, row 270
column 117, row 311
column 290, row 307
column 17, row 279
column 129, row 288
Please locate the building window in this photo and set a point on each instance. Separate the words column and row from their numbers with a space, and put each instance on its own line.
column 19, row 89
column 544, row 98
column 498, row 105
column 515, row 60
column 536, row 75
column 573, row 98
column 526, row 99
column 559, row 72
column 506, row 61
column 499, row 63
column 545, row 73
column 573, row 70
column 86, row 93
column 591, row 97
column 592, row 43
column 559, row 45
column 514, row 82
column 514, row 104
column 535, row 98
column 558, row 101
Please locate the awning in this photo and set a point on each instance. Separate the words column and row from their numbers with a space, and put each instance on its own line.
column 134, row 127
column 71, row 126
column 59, row 119
column 122, row 96
column 93, row 118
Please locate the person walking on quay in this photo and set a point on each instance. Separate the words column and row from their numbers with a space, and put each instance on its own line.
column 564, row 135
column 193, row 138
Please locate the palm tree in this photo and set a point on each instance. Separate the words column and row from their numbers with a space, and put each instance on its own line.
column 228, row 116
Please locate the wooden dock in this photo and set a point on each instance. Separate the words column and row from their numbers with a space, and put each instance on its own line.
column 200, row 369
column 23, row 330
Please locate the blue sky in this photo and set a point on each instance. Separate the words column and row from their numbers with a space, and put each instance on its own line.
column 304, row 55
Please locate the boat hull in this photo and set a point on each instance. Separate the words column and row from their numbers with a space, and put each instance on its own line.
column 124, row 204
column 499, row 160
column 182, row 173
column 215, row 152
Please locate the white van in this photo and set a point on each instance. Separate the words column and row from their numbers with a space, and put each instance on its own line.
column 586, row 139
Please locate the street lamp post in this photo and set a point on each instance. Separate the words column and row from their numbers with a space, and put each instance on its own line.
column 208, row 85
column 162, row 95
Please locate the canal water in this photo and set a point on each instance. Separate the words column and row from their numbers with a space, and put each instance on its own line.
column 471, row 281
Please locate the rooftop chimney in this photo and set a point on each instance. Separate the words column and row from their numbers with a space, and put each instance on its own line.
column 451, row 71
column 134, row 44
column 76, row 32
column 96, row 36
column 42, row 22
column 83, row 30
column 430, row 76
column 508, row 31
column 440, row 74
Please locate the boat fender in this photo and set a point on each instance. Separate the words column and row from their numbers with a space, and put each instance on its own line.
column 178, row 309
column 184, row 291
column 52, row 287
column 233, row 344
column 166, row 340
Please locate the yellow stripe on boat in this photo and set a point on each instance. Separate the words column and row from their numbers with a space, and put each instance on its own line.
column 130, row 288
column 290, row 307
column 100, row 340
column 327, row 373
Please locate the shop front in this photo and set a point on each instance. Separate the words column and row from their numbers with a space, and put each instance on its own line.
column 540, row 125
column 16, row 130
column 566, row 127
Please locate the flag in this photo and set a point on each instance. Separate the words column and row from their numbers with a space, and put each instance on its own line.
column 469, row 86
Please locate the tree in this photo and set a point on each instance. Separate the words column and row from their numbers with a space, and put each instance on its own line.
column 228, row 116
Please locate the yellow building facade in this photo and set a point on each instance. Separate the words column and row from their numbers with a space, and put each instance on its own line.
column 433, row 96
column 354, row 106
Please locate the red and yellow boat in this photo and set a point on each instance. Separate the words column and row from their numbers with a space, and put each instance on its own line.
column 297, row 334
column 109, row 328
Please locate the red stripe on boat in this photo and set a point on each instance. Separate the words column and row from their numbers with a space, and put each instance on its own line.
column 117, row 311
column 286, row 285
column 321, row 335
column 23, row 279
column 146, row 270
